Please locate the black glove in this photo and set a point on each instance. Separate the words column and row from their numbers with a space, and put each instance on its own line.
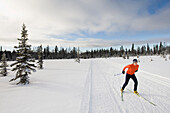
column 136, row 71
column 123, row 72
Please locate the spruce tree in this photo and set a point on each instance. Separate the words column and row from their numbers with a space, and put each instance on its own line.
column 78, row 56
column 23, row 65
column 4, row 65
column 127, row 55
column 138, row 51
column 74, row 52
column 1, row 48
column 160, row 48
column 40, row 57
column 124, row 55
column 157, row 50
column 143, row 50
column 111, row 51
column 48, row 52
column 121, row 51
column 133, row 50
column 56, row 51
column 148, row 49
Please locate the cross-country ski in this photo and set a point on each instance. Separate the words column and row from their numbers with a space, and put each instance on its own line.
column 142, row 97
column 122, row 95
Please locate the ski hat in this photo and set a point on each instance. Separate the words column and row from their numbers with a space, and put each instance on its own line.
column 135, row 60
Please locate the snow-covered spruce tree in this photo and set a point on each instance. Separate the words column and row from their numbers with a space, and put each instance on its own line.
column 127, row 55
column 4, row 65
column 23, row 67
column 40, row 57
column 78, row 56
column 124, row 56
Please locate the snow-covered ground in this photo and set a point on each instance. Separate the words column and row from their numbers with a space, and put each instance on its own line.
column 65, row 86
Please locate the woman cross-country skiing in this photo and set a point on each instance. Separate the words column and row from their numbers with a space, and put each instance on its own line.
column 132, row 68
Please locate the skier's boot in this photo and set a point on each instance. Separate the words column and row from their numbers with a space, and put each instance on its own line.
column 121, row 90
column 136, row 92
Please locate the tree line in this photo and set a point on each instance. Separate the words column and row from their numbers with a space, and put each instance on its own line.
column 71, row 53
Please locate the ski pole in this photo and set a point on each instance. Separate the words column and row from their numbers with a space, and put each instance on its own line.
column 117, row 74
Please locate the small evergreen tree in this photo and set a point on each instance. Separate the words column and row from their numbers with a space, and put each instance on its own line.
column 1, row 48
column 143, row 50
column 22, row 65
column 92, row 54
column 160, row 48
column 56, row 51
column 156, row 49
column 4, row 65
column 40, row 57
column 127, row 55
column 74, row 53
column 133, row 50
column 151, row 52
column 138, row 51
column 78, row 56
column 124, row 55
column 148, row 49
column 121, row 51
column 111, row 51
column 48, row 52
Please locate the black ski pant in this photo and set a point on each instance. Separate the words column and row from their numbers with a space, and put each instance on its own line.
column 133, row 77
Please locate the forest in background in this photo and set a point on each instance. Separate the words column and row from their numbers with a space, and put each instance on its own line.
column 71, row 53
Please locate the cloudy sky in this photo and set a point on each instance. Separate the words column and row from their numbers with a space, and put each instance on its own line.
column 85, row 23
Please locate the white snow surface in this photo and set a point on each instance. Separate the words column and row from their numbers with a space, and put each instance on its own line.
column 65, row 86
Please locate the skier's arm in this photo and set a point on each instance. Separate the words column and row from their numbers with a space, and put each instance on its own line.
column 125, row 68
column 137, row 69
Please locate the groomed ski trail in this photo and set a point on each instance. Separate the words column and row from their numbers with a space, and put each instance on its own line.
column 102, row 91
column 98, row 96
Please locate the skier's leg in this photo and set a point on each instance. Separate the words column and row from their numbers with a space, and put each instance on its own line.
column 135, row 81
column 126, row 81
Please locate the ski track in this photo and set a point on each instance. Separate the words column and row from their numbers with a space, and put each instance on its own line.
column 98, row 97
column 111, row 90
column 102, row 99
column 85, row 104
column 153, row 96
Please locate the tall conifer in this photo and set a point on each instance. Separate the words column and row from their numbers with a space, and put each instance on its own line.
column 23, row 65
column 4, row 65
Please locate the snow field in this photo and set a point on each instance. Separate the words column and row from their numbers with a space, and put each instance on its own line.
column 55, row 89
column 65, row 86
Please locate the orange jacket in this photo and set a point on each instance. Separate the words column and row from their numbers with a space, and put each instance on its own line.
column 131, row 69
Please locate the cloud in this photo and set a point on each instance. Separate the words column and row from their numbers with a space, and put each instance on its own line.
column 44, row 18
column 88, row 42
